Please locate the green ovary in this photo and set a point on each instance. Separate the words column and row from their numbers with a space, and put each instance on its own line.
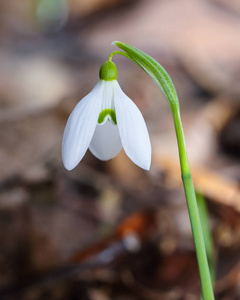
column 107, row 112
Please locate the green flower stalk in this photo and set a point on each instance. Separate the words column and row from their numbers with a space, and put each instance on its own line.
column 164, row 82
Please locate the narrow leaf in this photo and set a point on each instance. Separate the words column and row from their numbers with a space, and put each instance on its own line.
column 155, row 70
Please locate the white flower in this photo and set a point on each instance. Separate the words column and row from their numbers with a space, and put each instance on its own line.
column 105, row 121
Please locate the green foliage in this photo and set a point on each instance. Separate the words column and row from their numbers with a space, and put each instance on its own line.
column 164, row 82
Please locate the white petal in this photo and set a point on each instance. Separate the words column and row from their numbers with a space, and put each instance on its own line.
column 106, row 142
column 132, row 129
column 81, row 126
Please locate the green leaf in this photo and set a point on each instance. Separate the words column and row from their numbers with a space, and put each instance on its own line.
column 155, row 70
column 203, row 212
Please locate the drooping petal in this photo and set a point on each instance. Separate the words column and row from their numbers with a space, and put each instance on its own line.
column 106, row 142
column 132, row 129
column 81, row 126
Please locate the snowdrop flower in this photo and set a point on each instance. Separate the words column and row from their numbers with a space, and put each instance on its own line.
column 105, row 121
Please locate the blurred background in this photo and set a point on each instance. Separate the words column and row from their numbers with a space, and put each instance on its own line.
column 109, row 230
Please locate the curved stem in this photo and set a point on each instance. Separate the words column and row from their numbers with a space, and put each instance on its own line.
column 164, row 82
column 120, row 53
column 127, row 56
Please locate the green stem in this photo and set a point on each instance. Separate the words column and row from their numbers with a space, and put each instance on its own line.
column 125, row 55
column 165, row 84
column 118, row 52
column 193, row 211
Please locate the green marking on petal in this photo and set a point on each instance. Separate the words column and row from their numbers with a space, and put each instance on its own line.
column 107, row 112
